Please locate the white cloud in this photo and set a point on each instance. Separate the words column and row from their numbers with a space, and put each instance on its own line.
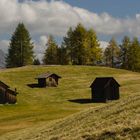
column 4, row 45
column 103, row 44
column 27, row 13
column 43, row 40
column 3, row 51
column 55, row 17
column 8, row 10
column 138, row 16
column 40, row 47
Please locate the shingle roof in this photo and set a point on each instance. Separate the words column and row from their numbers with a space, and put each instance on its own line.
column 12, row 92
column 46, row 75
column 103, row 81
column 3, row 85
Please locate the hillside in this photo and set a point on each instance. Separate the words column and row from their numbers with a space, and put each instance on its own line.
column 55, row 113
column 118, row 120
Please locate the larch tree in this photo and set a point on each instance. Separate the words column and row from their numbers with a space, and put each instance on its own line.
column 20, row 52
column 124, row 48
column 134, row 55
column 93, row 48
column 51, row 53
column 67, row 44
column 112, row 53
column 63, row 55
column 79, row 45
column 82, row 46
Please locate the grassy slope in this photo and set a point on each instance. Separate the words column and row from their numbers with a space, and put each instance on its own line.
column 114, row 119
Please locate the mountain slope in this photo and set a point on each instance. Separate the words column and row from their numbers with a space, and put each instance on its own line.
column 119, row 120
column 116, row 120
column 54, row 113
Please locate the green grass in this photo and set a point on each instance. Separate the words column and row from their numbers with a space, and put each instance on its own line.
column 41, row 109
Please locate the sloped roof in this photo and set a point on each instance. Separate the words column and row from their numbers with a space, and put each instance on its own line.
column 11, row 92
column 46, row 75
column 103, row 82
column 3, row 85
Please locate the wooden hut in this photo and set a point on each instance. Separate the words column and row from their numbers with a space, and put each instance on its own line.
column 3, row 88
column 3, row 85
column 48, row 79
column 7, row 95
column 104, row 89
column 10, row 96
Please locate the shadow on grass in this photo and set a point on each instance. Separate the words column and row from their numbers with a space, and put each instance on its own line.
column 85, row 101
column 81, row 101
column 33, row 85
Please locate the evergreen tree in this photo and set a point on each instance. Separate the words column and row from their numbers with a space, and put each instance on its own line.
column 51, row 54
column 82, row 46
column 93, row 48
column 134, row 55
column 79, row 45
column 124, row 51
column 36, row 61
column 112, row 53
column 20, row 52
column 68, row 41
column 63, row 57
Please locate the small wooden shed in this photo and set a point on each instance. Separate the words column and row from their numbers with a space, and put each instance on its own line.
column 11, row 96
column 48, row 79
column 104, row 89
column 7, row 95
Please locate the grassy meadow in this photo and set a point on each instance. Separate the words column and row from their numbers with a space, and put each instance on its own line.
column 58, row 113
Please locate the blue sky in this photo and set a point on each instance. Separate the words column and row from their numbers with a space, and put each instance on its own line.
column 109, row 18
column 117, row 8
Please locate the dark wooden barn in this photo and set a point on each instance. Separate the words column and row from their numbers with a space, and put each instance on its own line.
column 7, row 95
column 48, row 79
column 104, row 89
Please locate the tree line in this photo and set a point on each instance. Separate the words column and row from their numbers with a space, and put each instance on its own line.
column 80, row 46
column 126, row 55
